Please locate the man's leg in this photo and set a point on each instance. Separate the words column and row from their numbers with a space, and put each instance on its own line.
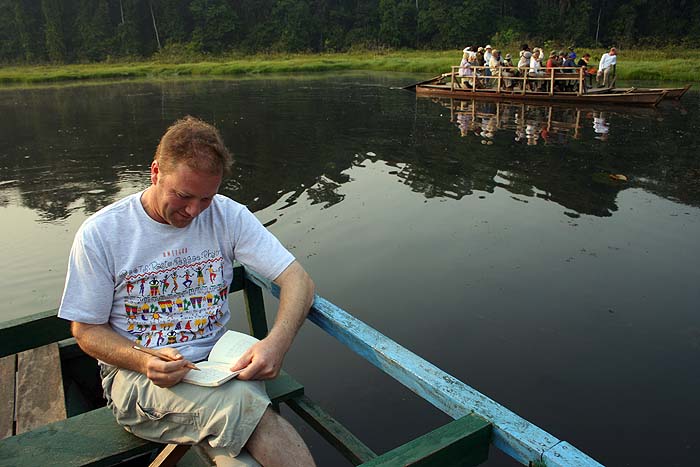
column 276, row 443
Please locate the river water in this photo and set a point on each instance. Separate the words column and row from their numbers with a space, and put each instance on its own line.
column 547, row 256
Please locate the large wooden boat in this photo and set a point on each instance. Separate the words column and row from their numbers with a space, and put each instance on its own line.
column 42, row 368
column 554, row 85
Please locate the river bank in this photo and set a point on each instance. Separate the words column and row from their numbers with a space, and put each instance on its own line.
column 633, row 64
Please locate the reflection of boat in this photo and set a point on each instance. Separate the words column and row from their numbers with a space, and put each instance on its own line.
column 559, row 85
column 529, row 122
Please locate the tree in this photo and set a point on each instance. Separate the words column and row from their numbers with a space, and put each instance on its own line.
column 214, row 24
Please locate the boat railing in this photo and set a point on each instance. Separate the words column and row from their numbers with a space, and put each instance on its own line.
column 515, row 436
column 483, row 77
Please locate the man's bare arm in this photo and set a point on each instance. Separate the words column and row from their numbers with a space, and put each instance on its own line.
column 103, row 343
column 264, row 359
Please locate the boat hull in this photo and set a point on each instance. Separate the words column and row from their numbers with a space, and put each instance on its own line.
column 629, row 98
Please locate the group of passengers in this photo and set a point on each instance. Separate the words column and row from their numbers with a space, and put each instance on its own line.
column 490, row 65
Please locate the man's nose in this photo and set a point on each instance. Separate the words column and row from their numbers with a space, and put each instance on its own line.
column 193, row 208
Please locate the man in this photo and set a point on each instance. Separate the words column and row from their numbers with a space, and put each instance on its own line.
column 606, row 67
column 177, row 225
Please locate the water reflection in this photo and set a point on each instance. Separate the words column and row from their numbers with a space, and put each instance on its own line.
column 79, row 148
column 531, row 124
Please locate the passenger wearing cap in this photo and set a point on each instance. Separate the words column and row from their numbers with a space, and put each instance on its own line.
column 507, row 71
column 524, row 63
column 606, row 68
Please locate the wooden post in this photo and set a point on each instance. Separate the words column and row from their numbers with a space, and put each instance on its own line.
column 452, row 81
column 551, row 82
column 524, row 82
column 498, row 83
column 581, row 84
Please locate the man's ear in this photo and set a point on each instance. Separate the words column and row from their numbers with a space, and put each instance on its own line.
column 155, row 171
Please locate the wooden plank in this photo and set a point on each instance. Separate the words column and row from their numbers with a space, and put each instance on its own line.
column 7, row 395
column 92, row 438
column 461, row 443
column 40, row 398
column 32, row 331
column 520, row 439
column 170, row 455
column 332, row 431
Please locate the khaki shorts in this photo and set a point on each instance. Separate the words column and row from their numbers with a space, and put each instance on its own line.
column 224, row 416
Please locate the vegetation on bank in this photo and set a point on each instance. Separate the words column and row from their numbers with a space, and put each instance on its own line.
column 653, row 64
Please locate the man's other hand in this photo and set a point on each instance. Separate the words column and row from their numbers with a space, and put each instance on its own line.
column 261, row 361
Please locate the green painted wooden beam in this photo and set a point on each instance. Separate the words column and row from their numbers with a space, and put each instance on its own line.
column 255, row 307
column 32, row 331
column 336, row 434
column 461, row 443
column 93, row 438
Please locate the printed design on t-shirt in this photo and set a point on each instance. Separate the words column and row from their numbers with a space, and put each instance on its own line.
column 178, row 299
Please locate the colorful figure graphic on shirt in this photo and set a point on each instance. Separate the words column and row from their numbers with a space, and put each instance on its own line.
column 175, row 278
column 171, row 337
column 210, row 298
column 165, row 283
column 155, row 286
column 200, row 276
column 129, row 287
column 145, row 308
column 188, row 282
column 178, row 302
column 212, row 274
column 142, row 281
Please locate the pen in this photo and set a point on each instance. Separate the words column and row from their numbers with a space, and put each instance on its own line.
column 162, row 356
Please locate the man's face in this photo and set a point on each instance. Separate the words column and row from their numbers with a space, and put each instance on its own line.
column 181, row 194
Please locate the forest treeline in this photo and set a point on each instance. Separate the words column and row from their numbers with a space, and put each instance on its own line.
column 69, row 31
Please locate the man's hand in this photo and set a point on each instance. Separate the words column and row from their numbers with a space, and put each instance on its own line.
column 261, row 361
column 166, row 374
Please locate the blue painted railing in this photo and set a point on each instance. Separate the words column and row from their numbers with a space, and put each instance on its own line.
column 512, row 434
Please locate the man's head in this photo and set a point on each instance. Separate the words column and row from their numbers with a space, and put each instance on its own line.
column 186, row 172
column 195, row 143
column 613, row 51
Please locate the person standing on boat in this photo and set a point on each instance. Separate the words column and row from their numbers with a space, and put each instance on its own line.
column 606, row 68
column 465, row 68
column 536, row 69
column 179, row 223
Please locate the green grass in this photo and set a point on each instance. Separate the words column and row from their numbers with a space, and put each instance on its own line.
column 634, row 64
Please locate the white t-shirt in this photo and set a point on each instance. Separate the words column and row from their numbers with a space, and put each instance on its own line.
column 606, row 61
column 160, row 285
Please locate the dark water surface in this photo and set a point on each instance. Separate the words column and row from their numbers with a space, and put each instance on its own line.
column 489, row 239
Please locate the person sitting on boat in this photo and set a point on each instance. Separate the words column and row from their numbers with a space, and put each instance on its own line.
column 572, row 52
column 606, row 68
column 495, row 64
column 569, row 67
column 588, row 72
column 524, row 64
column 507, row 71
column 180, row 222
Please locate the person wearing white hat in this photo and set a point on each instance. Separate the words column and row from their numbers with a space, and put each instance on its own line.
column 487, row 63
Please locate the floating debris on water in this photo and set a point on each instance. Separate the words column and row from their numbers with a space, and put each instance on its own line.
column 95, row 192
